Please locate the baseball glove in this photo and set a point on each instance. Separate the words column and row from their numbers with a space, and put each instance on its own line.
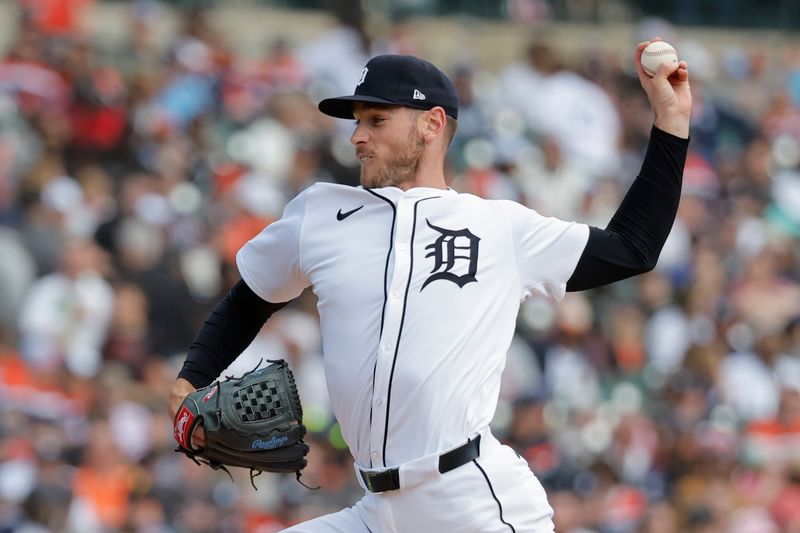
column 254, row 422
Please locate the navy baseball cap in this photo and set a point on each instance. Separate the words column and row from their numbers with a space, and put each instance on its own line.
column 397, row 80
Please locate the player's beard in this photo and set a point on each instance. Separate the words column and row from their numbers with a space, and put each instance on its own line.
column 399, row 169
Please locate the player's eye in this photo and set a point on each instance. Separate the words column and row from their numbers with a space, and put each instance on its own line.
column 373, row 121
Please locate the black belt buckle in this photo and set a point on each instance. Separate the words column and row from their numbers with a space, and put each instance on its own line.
column 381, row 481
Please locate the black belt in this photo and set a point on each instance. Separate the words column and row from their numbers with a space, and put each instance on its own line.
column 390, row 479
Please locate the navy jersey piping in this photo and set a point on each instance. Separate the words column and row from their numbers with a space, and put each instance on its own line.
column 388, row 255
column 402, row 321
column 385, row 298
column 491, row 489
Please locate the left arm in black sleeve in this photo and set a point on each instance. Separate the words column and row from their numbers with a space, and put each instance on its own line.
column 632, row 241
column 229, row 329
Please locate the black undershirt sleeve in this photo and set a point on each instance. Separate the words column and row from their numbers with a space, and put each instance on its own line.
column 229, row 329
column 632, row 241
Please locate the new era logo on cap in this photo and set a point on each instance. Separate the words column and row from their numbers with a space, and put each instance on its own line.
column 397, row 80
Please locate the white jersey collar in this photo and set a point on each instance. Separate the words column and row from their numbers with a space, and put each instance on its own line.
column 395, row 193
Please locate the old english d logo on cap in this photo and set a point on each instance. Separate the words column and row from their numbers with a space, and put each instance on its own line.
column 363, row 76
column 397, row 80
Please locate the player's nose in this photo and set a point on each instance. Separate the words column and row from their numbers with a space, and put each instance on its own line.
column 359, row 135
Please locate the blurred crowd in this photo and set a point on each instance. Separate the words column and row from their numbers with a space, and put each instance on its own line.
column 130, row 176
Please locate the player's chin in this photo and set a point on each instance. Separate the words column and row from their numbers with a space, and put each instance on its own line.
column 371, row 179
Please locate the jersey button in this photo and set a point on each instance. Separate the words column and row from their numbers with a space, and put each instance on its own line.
column 402, row 247
column 395, row 294
column 374, row 454
column 379, row 402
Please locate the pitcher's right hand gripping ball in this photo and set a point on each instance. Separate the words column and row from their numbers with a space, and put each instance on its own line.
column 254, row 422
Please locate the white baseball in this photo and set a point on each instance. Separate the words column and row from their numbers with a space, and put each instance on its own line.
column 656, row 53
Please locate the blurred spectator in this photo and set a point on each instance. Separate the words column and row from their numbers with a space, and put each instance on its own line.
column 335, row 58
column 56, row 18
column 556, row 187
column 65, row 316
column 17, row 271
column 97, row 112
column 571, row 109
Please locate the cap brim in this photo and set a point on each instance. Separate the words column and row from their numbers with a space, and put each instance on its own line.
column 342, row 106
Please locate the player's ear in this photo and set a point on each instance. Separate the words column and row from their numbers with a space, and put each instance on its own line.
column 433, row 123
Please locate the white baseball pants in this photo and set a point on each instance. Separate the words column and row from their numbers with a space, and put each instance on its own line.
column 495, row 493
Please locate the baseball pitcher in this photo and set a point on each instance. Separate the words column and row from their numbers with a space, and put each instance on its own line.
column 418, row 291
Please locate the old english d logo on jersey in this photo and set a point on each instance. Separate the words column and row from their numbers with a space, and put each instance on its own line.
column 455, row 256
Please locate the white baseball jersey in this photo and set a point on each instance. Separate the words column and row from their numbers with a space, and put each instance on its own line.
column 418, row 296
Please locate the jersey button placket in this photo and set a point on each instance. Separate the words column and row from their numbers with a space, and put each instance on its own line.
column 391, row 331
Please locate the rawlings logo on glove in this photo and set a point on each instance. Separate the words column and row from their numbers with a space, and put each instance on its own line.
column 254, row 422
column 183, row 421
column 210, row 393
column 271, row 444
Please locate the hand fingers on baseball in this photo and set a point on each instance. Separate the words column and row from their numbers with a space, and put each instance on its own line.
column 681, row 74
column 639, row 49
column 637, row 60
column 665, row 70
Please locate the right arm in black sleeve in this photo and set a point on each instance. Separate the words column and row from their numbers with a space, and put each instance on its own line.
column 229, row 329
column 633, row 239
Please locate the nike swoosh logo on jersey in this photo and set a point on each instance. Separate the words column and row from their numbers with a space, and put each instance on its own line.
column 341, row 216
